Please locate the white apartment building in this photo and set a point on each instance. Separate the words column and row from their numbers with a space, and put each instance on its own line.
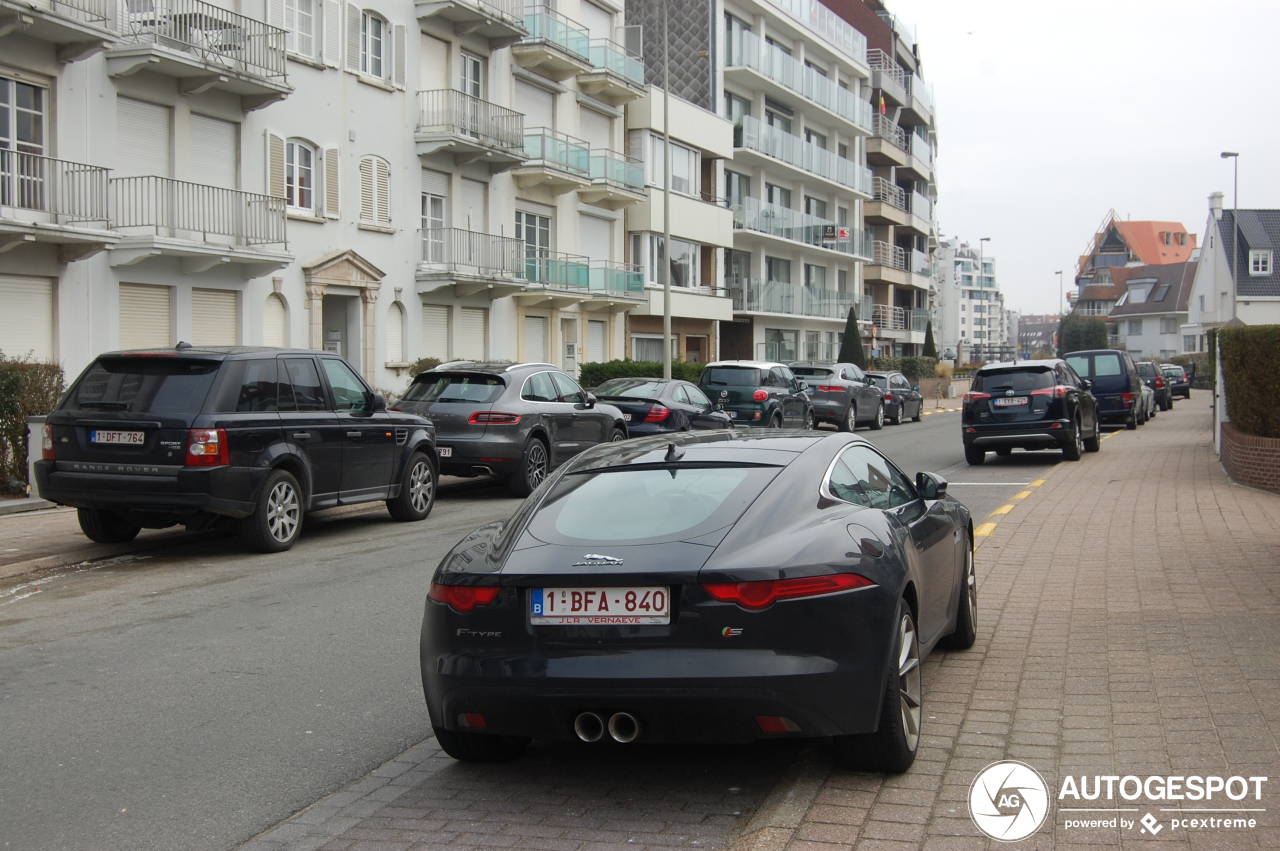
column 970, row 317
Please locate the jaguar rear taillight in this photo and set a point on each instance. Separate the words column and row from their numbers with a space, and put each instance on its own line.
column 760, row 395
column 207, row 447
column 762, row 594
column 46, row 444
column 493, row 418
column 464, row 598
column 656, row 414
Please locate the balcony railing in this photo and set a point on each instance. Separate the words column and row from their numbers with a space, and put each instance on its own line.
column 890, row 132
column 921, row 149
column 1090, row 310
column 905, row 31
column 549, row 149
column 754, row 135
column 922, row 264
column 921, row 91
column 615, row 169
column 753, row 295
column 890, row 192
column 745, row 49
column 607, row 55
column 70, row 192
column 454, row 113
column 866, row 303
column 921, row 206
column 890, row 255
column 782, row 222
column 87, row 11
column 510, row 11
column 880, row 61
column 548, row 25
column 206, row 31
column 889, row 318
column 609, row 276
column 161, row 203
column 555, row 269
column 455, row 249
column 826, row 23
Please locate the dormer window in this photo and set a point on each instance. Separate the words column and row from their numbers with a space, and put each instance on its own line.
column 1259, row 262
column 1182, row 240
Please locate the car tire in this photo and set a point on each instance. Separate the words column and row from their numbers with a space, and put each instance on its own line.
column 532, row 469
column 919, row 413
column 850, row 420
column 1004, row 452
column 417, row 490
column 479, row 747
column 775, row 421
column 892, row 748
column 974, row 456
column 878, row 422
column 1094, row 443
column 808, row 420
column 1075, row 448
column 896, row 419
column 276, row 521
column 1166, row 404
column 106, row 527
column 966, row 632
column 1132, row 422
column 619, row 435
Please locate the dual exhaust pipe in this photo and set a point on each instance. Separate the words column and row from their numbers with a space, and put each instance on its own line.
column 623, row 727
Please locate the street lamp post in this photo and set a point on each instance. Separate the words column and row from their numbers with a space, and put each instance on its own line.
column 666, row 195
column 1234, row 156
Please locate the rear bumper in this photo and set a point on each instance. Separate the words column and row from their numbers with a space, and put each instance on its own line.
column 826, row 410
column 1043, row 435
column 1114, row 409
column 229, row 491
column 641, row 429
column 497, row 452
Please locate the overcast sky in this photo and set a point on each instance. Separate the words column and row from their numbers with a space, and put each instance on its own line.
column 1051, row 114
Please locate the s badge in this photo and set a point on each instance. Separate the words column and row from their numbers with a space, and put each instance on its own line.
column 731, row 631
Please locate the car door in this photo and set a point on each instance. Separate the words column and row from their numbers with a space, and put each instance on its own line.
column 859, row 392
column 588, row 426
column 1087, row 404
column 793, row 403
column 702, row 415
column 557, row 416
column 311, row 427
column 368, row 444
column 906, row 396
column 246, row 405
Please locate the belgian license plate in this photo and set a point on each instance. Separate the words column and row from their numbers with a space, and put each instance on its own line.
column 1010, row 401
column 127, row 438
column 626, row 418
column 733, row 415
column 626, row 606
column 445, row 451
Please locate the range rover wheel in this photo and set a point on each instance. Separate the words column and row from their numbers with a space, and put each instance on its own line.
column 106, row 527
column 276, row 520
column 417, row 490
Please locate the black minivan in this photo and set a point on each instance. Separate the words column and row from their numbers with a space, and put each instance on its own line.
column 1115, row 383
column 149, row 439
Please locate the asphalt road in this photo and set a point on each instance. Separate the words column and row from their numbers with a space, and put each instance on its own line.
column 196, row 696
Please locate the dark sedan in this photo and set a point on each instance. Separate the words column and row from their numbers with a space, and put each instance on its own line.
column 1176, row 377
column 658, row 406
column 714, row 586
column 842, row 394
column 902, row 399
column 1039, row 404
column 515, row 420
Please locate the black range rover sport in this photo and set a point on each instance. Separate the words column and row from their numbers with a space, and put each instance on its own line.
column 254, row 436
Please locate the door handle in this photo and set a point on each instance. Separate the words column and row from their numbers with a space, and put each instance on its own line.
column 353, row 434
column 301, row 435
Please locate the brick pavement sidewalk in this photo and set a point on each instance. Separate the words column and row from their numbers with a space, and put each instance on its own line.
column 1128, row 625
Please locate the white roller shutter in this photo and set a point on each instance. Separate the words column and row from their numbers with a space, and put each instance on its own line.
column 596, row 332
column 537, row 104
column 26, row 320
column 535, row 339
column 433, row 71
column 597, row 21
column 595, row 236
column 594, row 127
column 395, row 334
column 213, row 318
column 142, row 139
column 473, row 341
column 435, row 331
column 275, row 323
column 435, row 183
column 215, row 147
column 475, row 205
column 145, row 321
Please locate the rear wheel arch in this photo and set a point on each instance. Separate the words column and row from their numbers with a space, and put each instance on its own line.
column 909, row 594
column 295, row 467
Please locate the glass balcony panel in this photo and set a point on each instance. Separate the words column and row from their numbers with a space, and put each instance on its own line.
column 612, row 277
column 556, row 150
column 755, row 135
column 546, row 24
column 616, row 169
column 921, row 206
column 608, row 55
column 750, row 52
column 555, row 269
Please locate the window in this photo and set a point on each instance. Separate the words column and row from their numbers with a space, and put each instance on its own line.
column 1188, row 342
column 648, row 347
column 372, row 34
column 815, row 276
column 1168, row 326
column 1182, row 239
column 735, row 108
column 1201, row 303
column 1259, row 262
column 1167, row 236
column 535, row 232
column 684, row 259
column 539, row 389
column 22, row 129
column 815, row 138
column 777, row 269
column 308, row 394
column 349, row 391
column 300, row 27
column 569, row 390
column 433, row 224
column 299, row 175
column 780, row 344
column 1135, row 326
column 864, row 477
column 686, row 168
column 777, row 116
column 738, row 187
column 815, row 207
column 777, row 196
column 375, row 191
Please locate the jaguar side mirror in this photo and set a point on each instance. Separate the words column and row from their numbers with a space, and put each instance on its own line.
column 378, row 403
column 931, row 485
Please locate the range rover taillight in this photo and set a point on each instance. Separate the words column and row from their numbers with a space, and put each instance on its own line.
column 207, row 447
column 46, row 444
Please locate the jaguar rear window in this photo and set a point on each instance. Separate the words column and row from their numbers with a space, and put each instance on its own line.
column 813, row 371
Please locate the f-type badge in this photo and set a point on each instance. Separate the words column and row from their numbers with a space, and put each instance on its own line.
column 596, row 560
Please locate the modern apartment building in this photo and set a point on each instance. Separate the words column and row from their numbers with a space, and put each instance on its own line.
column 971, row 319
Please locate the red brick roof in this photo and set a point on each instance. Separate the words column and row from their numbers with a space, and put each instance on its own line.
column 1146, row 241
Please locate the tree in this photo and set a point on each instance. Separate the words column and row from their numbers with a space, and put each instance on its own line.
column 1077, row 333
column 851, row 350
column 930, row 347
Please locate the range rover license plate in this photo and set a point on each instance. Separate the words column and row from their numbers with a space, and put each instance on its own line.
column 128, row 438
column 627, row 606
column 445, row 451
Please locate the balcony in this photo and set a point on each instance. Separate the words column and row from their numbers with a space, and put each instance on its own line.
column 889, row 144
column 887, row 76
column 556, row 47
column 616, row 76
column 900, row 323
column 616, row 181
column 796, row 227
column 614, row 287
column 202, row 45
column 79, row 28
column 919, row 109
column 888, row 206
column 499, row 21
column 754, row 296
column 758, row 143
column 759, row 65
column 838, row 32
column 205, row 226
column 919, row 163
column 554, row 279
column 469, row 128
column 892, row 264
column 556, row 161
column 470, row 262
column 53, row 201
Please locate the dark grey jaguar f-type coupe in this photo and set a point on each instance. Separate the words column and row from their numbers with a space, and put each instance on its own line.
column 712, row 586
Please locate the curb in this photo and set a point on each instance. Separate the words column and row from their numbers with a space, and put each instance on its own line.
column 29, row 503
column 780, row 815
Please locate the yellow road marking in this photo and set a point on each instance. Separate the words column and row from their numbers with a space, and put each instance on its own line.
column 1022, row 495
column 984, row 530
column 1037, row 483
column 1004, row 509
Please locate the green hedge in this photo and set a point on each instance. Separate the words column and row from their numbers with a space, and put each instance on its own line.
column 914, row 368
column 1251, row 372
column 28, row 388
column 597, row 373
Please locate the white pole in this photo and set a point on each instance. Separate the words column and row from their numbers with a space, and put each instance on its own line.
column 666, row 195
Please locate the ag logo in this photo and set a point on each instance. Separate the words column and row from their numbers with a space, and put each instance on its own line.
column 1008, row 800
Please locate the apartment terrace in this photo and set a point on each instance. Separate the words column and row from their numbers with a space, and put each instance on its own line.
column 758, row 143
column 499, row 21
column 793, row 227
column 470, row 262
column 556, row 161
column 471, row 129
column 46, row 200
column 79, row 28
column 755, row 296
column 556, row 47
column 616, row 75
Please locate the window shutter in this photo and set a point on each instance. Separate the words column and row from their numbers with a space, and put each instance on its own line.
column 398, row 48
column 353, row 38
column 535, row 339
column 275, row 13
column 595, row 128
column 214, row 149
column 595, row 341
column 144, row 317
column 538, row 105
column 435, row 183
column 366, row 190
column 395, row 334
column 26, row 323
column 473, row 341
column 332, row 183
column 435, row 331
column 142, row 139
column 275, row 165
column 275, row 324
column 213, row 318
column 433, row 72
column 332, row 33
column 475, row 207
column 383, row 175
